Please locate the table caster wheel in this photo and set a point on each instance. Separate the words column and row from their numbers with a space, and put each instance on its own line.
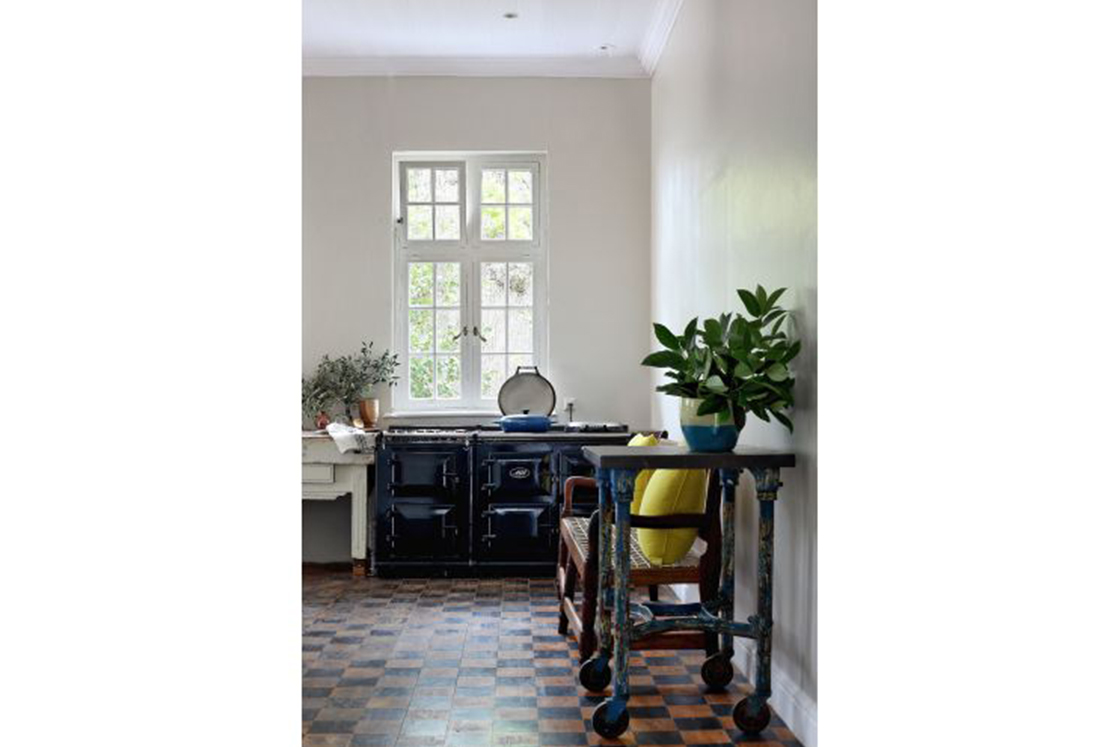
column 748, row 722
column 717, row 671
column 606, row 726
column 595, row 674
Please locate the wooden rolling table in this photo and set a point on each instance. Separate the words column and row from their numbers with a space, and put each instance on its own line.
column 616, row 467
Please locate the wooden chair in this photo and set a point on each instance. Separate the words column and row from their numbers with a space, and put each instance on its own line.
column 578, row 566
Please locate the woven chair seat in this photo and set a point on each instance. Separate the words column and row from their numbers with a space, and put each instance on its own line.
column 576, row 527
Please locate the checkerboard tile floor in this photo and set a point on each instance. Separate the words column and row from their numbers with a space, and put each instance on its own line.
column 479, row 662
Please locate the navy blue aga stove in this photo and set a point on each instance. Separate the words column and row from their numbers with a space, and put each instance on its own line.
column 476, row 500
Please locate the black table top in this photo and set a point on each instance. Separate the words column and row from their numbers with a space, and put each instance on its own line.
column 679, row 457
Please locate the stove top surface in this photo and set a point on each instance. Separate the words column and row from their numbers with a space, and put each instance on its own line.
column 420, row 431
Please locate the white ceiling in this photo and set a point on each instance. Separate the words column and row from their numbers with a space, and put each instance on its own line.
column 471, row 37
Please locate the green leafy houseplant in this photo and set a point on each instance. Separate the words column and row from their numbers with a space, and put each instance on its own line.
column 316, row 396
column 735, row 365
column 348, row 379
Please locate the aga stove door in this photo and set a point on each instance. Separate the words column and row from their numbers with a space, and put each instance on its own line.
column 423, row 504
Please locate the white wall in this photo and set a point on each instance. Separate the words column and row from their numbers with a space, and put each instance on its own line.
column 596, row 135
column 734, row 204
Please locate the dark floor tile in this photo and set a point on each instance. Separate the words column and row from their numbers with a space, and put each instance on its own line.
column 332, row 727
column 658, row 737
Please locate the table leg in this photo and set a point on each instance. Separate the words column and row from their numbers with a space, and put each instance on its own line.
column 752, row 714
column 611, row 718
column 595, row 673
column 359, row 499
column 717, row 671
column 729, row 479
column 603, row 611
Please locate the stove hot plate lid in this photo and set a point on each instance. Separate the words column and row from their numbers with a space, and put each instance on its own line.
column 527, row 392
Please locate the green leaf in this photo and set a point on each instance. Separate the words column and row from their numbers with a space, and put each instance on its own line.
column 710, row 405
column 782, row 419
column 665, row 337
column 713, row 333
column 760, row 294
column 690, row 332
column 715, row 384
column 790, row 354
column 777, row 372
column 750, row 302
column 742, row 370
column 664, row 359
column 770, row 317
column 774, row 298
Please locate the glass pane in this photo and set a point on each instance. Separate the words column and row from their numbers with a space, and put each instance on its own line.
column 519, row 360
column 493, row 185
column 419, row 185
column 447, row 326
column 420, row 330
column 493, row 283
column 520, row 330
column 447, row 284
column 420, row 284
column 521, row 186
column 494, row 330
column 448, row 377
column 493, row 223
column 419, row 222
column 447, row 223
column 493, row 375
column 447, row 185
column 520, row 284
column 521, row 223
column 420, row 377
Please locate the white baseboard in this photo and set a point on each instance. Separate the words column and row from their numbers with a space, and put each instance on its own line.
column 797, row 709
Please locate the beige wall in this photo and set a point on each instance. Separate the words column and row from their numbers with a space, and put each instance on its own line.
column 734, row 204
column 596, row 134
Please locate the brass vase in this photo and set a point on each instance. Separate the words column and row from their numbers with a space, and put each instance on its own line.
column 370, row 411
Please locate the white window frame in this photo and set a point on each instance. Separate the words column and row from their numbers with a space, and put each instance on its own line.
column 471, row 251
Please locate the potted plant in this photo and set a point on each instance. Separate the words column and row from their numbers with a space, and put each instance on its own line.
column 728, row 367
column 380, row 369
column 350, row 380
column 316, row 400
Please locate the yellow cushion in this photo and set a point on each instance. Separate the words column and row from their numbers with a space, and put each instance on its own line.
column 671, row 491
column 643, row 476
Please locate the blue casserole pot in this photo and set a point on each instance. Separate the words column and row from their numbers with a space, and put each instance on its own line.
column 525, row 423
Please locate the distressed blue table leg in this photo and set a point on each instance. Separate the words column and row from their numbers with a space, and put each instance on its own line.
column 611, row 718
column 717, row 671
column 729, row 479
column 603, row 610
column 752, row 714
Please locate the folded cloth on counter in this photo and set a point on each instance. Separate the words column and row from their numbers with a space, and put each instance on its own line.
column 348, row 438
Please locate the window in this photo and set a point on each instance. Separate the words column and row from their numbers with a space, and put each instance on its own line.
column 470, row 268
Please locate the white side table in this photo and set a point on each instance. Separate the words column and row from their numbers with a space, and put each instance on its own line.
column 329, row 475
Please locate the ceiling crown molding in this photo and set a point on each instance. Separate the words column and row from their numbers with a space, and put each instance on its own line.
column 657, row 35
column 534, row 67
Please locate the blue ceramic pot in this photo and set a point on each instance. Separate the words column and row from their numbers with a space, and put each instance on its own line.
column 715, row 432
